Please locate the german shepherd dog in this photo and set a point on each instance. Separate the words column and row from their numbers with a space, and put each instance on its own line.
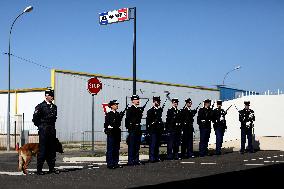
column 29, row 150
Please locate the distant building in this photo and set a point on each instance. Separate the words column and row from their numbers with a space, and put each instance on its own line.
column 227, row 93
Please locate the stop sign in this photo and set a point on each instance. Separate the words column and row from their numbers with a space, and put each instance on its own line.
column 94, row 85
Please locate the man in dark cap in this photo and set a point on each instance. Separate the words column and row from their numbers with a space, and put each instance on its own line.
column 112, row 129
column 44, row 118
column 133, row 124
column 219, row 125
column 204, row 119
column 187, row 119
column 173, row 127
column 155, row 127
column 246, row 117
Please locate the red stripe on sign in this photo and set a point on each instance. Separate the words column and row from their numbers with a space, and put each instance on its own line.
column 124, row 14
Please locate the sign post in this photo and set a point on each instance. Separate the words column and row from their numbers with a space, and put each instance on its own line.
column 122, row 15
column 93, row 86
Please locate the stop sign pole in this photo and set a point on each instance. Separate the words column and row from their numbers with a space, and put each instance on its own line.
column 94, row 86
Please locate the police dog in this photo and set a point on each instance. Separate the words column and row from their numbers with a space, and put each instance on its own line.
column 29, row 150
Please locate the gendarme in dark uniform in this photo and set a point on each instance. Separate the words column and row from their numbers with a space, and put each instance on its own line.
column 112, row 129
column 44, row 118
column 219, row 125
column 173, row 128
column 155, row 127
column 187, row 119
column 133, row 124
column 204, row 119
column 246, row 117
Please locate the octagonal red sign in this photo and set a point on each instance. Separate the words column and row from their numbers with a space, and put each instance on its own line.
column 94, row 85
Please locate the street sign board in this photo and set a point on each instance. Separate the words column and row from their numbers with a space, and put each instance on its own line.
column 114, row 16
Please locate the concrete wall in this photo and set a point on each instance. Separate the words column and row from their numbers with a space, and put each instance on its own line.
column 269, row 115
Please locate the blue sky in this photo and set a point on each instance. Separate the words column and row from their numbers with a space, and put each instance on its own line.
column 192, row 42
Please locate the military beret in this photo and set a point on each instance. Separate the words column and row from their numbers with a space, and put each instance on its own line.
column 135, row 97
column 49, row 92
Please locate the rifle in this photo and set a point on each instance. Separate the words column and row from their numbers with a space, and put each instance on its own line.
column 213, row 105
column 164, row 104
column 198, row 106
column 145, row 104
column 228, row 109
column 236, row 108
column 167, row 95
column 123, row 112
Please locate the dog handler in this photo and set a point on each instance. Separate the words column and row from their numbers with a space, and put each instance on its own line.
column 44, row 118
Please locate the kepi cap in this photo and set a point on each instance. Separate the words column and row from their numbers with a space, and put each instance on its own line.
column 49, row 92
column 135, row 97
column 219, row 102
column 188, row 100
column 247, row 103
column 207, row 101
column 156, row 98
column 175, row 100
column 112, row 102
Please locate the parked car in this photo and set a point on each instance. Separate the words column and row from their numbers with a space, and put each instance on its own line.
column 145, row 137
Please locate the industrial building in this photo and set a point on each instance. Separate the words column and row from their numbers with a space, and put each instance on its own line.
column 75, row 103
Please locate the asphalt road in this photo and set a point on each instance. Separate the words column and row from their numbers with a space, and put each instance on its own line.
column 231, row 169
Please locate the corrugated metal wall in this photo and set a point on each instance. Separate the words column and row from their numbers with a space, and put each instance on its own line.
column 74, row 101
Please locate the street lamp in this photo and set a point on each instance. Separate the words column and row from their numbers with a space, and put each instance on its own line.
column 26, row 10
column 236, row 68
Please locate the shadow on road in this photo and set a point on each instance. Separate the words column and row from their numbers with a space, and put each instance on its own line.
column 268, row 175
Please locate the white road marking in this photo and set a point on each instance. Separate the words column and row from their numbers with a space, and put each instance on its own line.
column 189, row 162
column 34, row 170
column 268, row 161
column 245, row 160
column 281, row 155
column 279, row 161
column 254, row 164
column 275, row 156
column 268, row 157
column 70, row 167
column 60, row 168
column 253, row 159
column 99, row 163
column 208, row 163
column 260, row 158
column 11, row 173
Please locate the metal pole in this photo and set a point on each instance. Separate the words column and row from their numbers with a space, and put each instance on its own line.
column 15, row 132
column 93, row 123
column 134, row 53
column 9, row 84
column 27, row 9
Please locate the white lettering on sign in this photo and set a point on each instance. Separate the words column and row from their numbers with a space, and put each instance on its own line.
column 93, row 85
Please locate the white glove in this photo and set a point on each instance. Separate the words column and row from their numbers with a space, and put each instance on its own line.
column 202, row 121
column 251, row 115
column 247, row 124
column 109, row 127
column 221, row 118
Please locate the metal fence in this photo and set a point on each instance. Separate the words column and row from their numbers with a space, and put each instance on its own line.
column 81, row 139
